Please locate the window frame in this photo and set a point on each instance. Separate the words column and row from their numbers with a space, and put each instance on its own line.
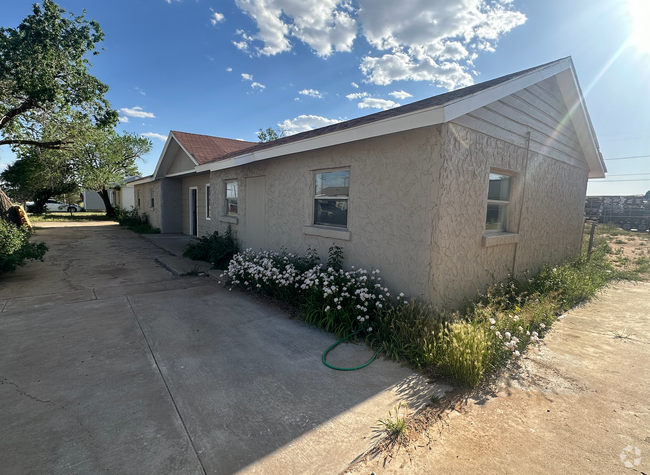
column 138, row 198
column 506, row 203
column 226, row 198
column 315, row 198
column 153, row 202
column 207, row 202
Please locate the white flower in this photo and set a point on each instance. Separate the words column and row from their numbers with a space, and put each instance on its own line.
column 498, row 334
column 508, row 335
column 327, row 308
column 520, row 329
column 492, row 321
column 542, row 326
column 516, row 353
column 492, row 327
column 527, row 333
column 369, row 329
column 338, row 307
column 401, row 294
column 359, row 317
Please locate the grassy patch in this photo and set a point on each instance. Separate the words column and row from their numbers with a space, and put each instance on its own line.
column 396, row 425
column 68, row 217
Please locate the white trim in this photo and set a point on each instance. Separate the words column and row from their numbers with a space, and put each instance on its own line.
column 189, row 205
column 207, row 205
column 164, row 152
column 186, row 172
column 564, row 70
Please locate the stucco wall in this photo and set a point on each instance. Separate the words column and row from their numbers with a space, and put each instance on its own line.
column 393, row 187
column 171, row 205
column 552, row 195
column 145, row 201
column 198, row 181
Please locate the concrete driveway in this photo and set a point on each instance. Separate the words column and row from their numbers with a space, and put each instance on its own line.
column 109, row 363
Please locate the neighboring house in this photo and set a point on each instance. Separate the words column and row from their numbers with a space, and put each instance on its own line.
column 122, row 195
column 445, row 195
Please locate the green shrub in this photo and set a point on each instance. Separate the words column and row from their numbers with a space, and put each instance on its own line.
column 15, row 248
column 138, row 223
column 216, row 249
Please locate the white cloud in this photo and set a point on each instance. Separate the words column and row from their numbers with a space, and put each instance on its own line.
column 229, row 69
column 355, row 85
column 247, row 77
column 311, row 93
column 303, row 123
column 400, row 94
column 357, row 95
column 325, row 25
column 154, row 135
column 137, row 112
column 124, row 119
column 261, row 87
column 217, row 18
column 374, row 103
column 420, row 40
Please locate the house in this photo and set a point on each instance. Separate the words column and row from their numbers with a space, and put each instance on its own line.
column 445, row 195
column 122, row 195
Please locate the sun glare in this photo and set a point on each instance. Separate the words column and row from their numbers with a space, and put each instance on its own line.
column 639, row 11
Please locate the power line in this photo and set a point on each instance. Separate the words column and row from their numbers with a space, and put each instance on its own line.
column 628, row 158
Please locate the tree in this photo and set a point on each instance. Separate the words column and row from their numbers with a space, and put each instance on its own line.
column 44, row 78
column 270, row 134
column 38, row 175
column 647, row 195
column 106, row 159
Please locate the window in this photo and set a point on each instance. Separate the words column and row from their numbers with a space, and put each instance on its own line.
column 498, row 201
column 331, row 198
column 138, row 198
column 207, row 201
column 232, row 195
column 151, row 194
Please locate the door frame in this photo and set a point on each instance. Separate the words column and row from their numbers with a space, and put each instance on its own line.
column 194, row 210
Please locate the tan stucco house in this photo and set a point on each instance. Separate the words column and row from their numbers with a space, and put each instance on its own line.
column 445, row 195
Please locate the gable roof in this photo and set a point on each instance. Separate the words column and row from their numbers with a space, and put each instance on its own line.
column 431, row 111
column 206, row 148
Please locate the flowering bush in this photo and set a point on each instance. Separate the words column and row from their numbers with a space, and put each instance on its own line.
column 466, row 345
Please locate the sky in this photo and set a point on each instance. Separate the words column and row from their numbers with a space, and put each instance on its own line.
column 230, row 67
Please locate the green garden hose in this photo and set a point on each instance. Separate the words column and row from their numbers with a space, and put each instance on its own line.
column 347, row 369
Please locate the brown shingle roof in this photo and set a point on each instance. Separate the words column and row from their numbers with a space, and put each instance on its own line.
column 406, row 109
column 206, row 149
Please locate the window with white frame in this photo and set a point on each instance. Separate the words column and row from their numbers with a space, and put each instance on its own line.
column 498, row 200
column 207, row 201
column 331, row 198
column 151, row 195
column 232, row 197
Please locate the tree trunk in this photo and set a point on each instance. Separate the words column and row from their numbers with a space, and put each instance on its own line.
column 7, row 210
column 110, row 211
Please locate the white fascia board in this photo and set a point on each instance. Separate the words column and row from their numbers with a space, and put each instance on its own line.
column 142, row 181
column 164, row 152
column 467, row 104
column 187, row 172
column 579, row 115
column 413, row 120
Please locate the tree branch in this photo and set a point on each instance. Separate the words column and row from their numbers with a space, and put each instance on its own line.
column 55, row 145
column 21, row 109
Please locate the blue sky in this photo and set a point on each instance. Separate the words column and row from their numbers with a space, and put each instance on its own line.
column 230, row 67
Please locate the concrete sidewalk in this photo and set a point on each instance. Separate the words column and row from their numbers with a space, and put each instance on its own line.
column 109, row 363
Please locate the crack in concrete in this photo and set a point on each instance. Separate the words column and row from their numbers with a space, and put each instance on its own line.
column 171, row 396
column 34, row 398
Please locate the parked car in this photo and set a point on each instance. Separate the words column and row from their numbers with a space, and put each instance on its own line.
column 53, row 205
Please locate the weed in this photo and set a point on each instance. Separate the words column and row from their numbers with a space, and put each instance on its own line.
column 622, row 334
column 138, row 223
column 620, row 241
column 396, row 425
column 435, row 399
